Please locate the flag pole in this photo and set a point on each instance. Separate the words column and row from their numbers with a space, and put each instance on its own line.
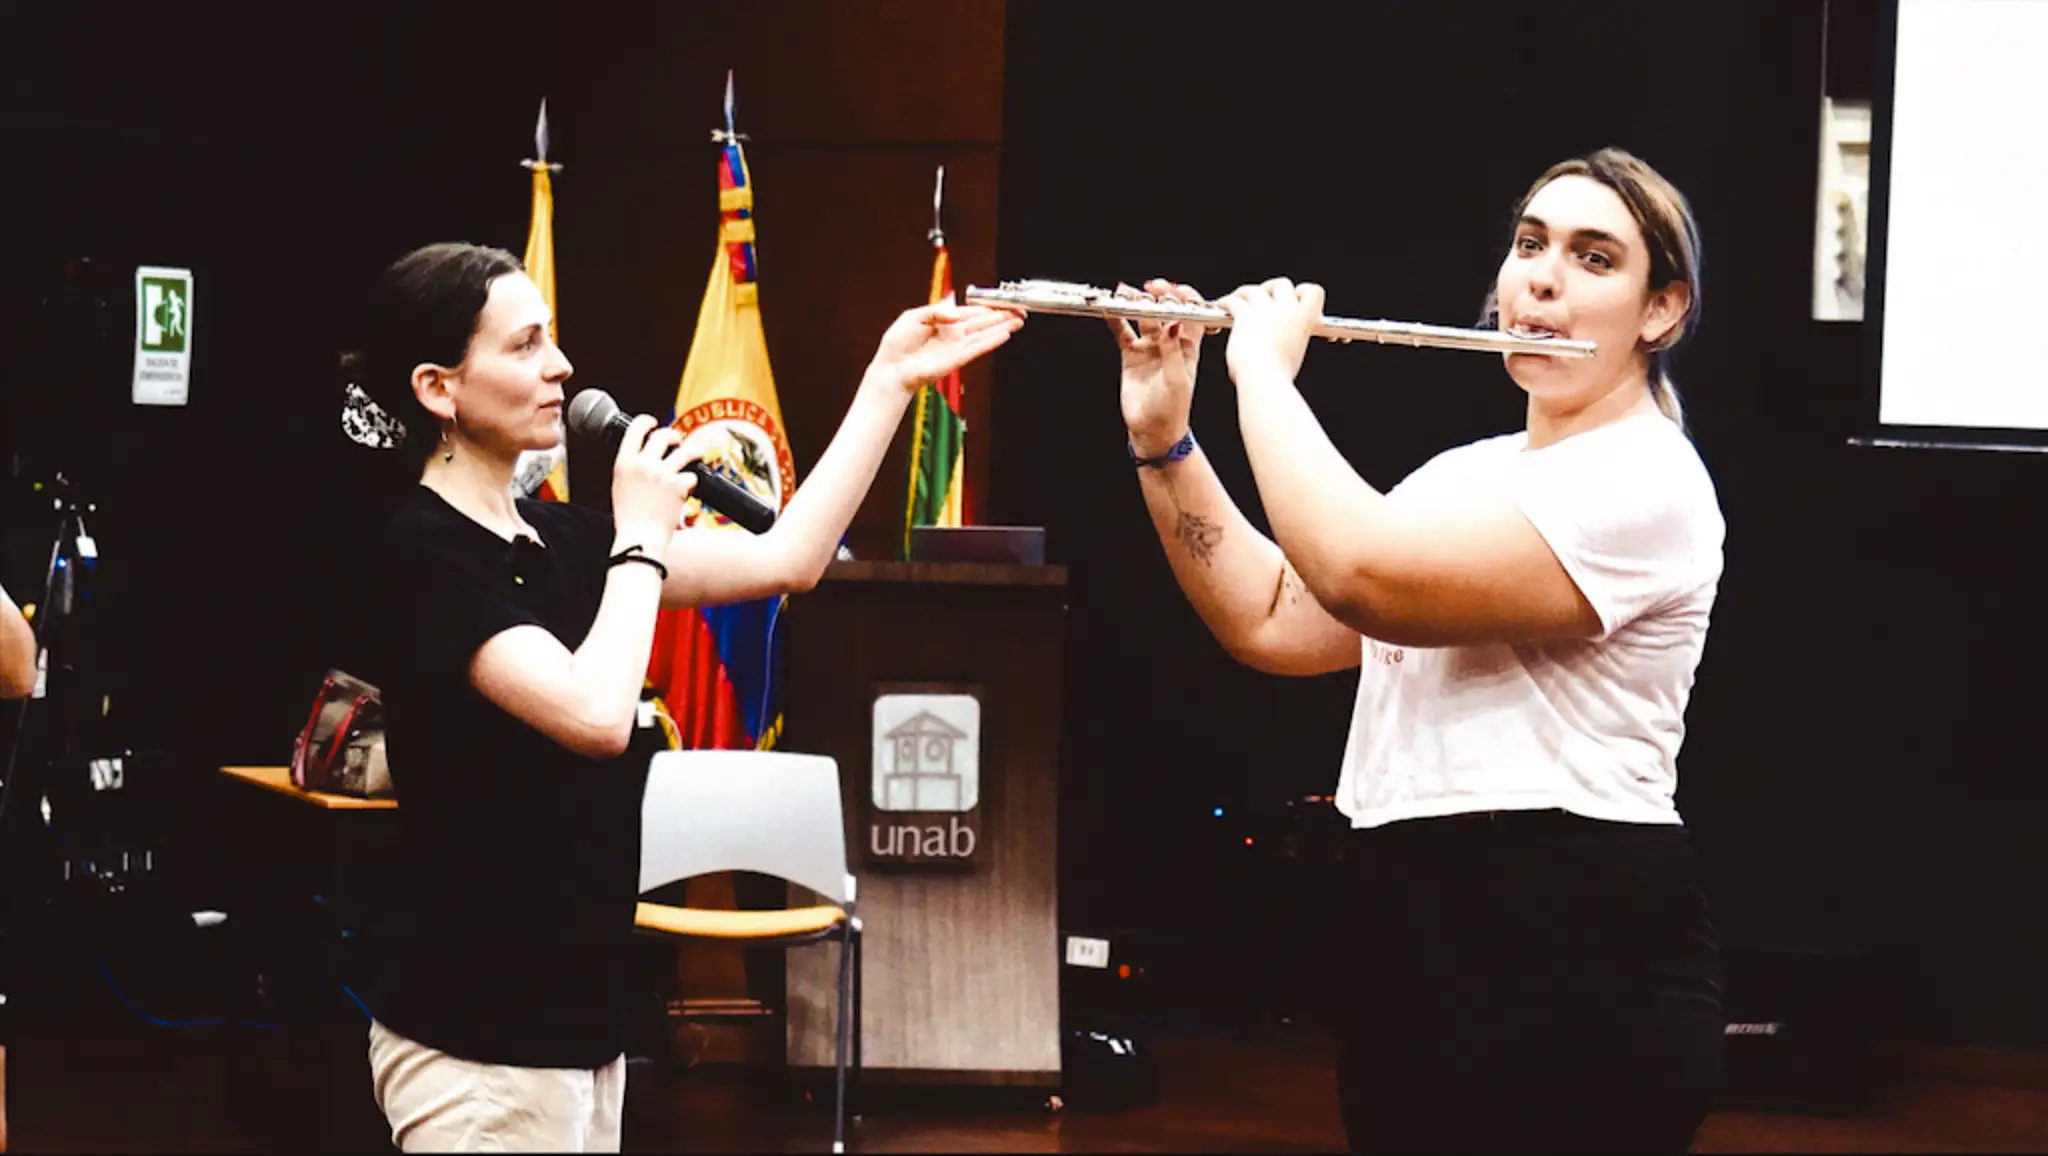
column 539, row 160
column 727, row 134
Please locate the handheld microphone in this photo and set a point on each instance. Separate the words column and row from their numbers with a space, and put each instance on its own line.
column 592, row 414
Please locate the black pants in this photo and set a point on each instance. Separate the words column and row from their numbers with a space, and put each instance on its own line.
column 1527, row 982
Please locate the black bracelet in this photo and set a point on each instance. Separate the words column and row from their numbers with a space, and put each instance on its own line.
column 635, row 554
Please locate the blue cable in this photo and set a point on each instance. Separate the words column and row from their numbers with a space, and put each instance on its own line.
column 358, row 999
column 162, row 1023
column 146, row 1017
column 768, row 663
column 108, row 974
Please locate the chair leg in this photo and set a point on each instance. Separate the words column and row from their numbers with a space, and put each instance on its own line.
column 858, row 1083
column 845, row 1017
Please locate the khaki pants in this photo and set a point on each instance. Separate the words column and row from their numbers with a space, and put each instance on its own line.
column 438, row 1103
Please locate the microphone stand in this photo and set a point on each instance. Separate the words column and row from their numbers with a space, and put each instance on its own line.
column 71, row 511
column 59, row 580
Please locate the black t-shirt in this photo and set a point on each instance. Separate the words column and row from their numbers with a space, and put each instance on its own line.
column 520, row 859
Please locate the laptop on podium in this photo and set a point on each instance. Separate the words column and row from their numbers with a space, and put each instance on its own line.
column 989, row 545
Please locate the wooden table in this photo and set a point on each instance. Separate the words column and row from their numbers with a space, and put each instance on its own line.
column 311, row 877
column 279, row 779
column 318, row 866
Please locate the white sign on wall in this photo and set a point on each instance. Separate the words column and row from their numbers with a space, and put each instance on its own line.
column 1963, row 292
column 163, row 335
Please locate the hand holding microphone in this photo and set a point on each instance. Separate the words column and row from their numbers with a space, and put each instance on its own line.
column 593, row 415
column 648, row 486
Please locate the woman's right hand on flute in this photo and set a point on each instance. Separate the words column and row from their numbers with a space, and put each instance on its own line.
column 1159, row 360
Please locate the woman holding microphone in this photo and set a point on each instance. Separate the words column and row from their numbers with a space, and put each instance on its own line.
column 515, row 637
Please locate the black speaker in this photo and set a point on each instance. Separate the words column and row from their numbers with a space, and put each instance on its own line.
column 1108, row 1006
column 1802, row 1021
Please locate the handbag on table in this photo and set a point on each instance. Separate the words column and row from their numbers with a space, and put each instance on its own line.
column 341, row 748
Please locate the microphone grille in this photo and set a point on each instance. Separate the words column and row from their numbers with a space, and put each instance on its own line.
column 590, row 412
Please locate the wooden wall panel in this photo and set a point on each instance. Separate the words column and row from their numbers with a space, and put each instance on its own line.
column 848, row 110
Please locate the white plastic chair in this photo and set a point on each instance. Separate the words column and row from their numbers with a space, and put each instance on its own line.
column 773, row 813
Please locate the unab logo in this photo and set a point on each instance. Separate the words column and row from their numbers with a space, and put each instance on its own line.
column 925, row 805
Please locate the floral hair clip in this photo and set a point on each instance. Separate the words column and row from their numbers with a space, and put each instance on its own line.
column 366, row 423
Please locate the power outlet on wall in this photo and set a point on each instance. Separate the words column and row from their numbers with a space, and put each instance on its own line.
column 1084, row 951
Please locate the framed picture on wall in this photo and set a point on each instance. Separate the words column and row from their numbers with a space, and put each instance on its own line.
column 1841, row 242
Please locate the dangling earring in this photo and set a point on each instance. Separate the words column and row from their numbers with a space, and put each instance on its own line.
column 447, row 451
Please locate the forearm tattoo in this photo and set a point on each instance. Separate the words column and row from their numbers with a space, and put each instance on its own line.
column 1199, row 535
column 1288, row 589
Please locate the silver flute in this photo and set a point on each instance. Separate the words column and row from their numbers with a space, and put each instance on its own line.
column 1073, row 300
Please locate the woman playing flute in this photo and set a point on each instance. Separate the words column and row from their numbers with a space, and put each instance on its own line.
column 1529, row 965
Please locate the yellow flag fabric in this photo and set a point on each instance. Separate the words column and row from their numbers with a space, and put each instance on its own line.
column 727, row 377
column 540, row 266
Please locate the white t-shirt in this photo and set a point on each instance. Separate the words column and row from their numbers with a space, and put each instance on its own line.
column 1589, row 726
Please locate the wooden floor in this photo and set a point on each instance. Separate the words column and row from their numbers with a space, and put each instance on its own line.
column 144, row 1089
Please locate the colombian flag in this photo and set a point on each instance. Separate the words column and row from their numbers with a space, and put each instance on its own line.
column 938, row 436
column 714, row 667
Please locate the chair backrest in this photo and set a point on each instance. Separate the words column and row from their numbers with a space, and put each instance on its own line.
column 771, row 812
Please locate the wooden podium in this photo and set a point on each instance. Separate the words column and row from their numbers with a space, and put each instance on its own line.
column 960, row 955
